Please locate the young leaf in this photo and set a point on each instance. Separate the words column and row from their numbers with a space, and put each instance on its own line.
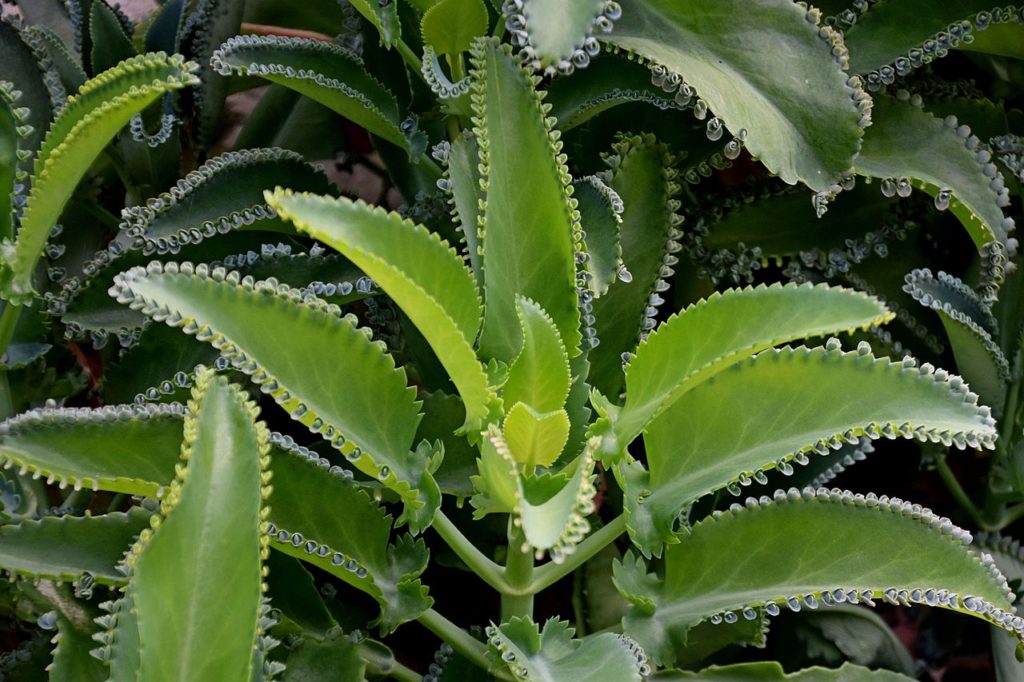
column 908, row 143
column 539, row 376
column 553, row 509
column 552, row 655
column 535, row 439
column 90, row 120
column 450, row 26
column 68, row 548
column 110, row 45
column 373, row 421
column 600, row 214
column 215, row 21
column 785, row 399
column 530, row 238
column 419, row 271
column 463, row 175
column 325, row 72
column 747, row 559
column 803, row 114
column 558, row 36
column 715, row 333
column 211, row 514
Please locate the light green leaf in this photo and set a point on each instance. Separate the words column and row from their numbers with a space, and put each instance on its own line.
column 451, row 25
column 535, row 439
column 373, row 421
column 498, row 485
column 977, row 354
column 90, row 120
column 600, row 208
column 531, row 229
column 466, row 197
column 787, row 401
column 120, row 448
column 553, row 508
column 211, row 513
column 325, row 72
column 552, row 655
column 1006, row 552
column 797, row 549
column 715, row 333
column 418, row 270
column 770, row 671
column 907, row 143
column 539, row 376
column 384, row 17
column 802, row 113
column 67, row 548
column 559, row 35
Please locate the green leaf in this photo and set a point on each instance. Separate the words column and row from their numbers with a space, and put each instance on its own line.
column 644, row 178
column 968, row 323
column 785, row 400
column 539, row 376
column 443, row 416
column 770, row 671
column 559, row 35
column 67, row 548
column 535, row 439
column 293, row 592
column 30, row 78
column 73, row 641
column 498, row 485
column 1006, row 552
column 908, row 143
column 373, row 421
column 863, row 637
column 451, row 25
column 351, row 544
column 225, row 193
column 600, row 208
column 610, row 80
column 335, row 658
column 717, row 332
column 210, row 514
column 802, row 113
column 552, row 655
column 418, row 270
column 384, row 17
column 796, row 549
column 463, row 174
column 325, row 72
column 90, row 120
column 72, row 75
column 12, row 117
column 553, row 509
column 110, row 45
column 115, row 448
column 529, row 237
column 215, row 21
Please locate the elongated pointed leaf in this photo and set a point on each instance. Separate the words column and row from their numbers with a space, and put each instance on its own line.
column 707, row 337
column 110, row 44
column 906, row 142
column 325, row 72
column 539, row 376
column 756, row 557
column 66, row 548
column 803, row 115
column 977, row 354
column 12, row 118
column 127, row 449
column 215, row 21
column 28, row 77
column 418, row 270
column 530, row 231
column 792, row 403
column 90, row 120
column 552, row 655
column 463, row 174
column 373, row 421
column 600, row 214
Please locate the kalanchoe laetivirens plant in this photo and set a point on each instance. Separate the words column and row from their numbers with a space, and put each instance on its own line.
column 563, row 394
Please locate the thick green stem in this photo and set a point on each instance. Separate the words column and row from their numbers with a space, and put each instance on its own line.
column 550, row 573
column 958, row 493
column 518, row 576
column 8, row 322
column 489, row 572
column 460, row 640
column 414, row 62
column 403, row 674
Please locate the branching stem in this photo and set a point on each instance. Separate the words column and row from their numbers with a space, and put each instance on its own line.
column 518, row 575
column 460, row 640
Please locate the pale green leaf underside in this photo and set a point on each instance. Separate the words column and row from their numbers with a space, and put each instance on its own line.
column 752, row 557
column 556, row 29
column 90, row 120
column 322, row 71
column 528, row 230
column 419, row 271
column 793, row 101
column 904, row 141
column 707, row 337
column 782, row 403
column 376, row 412
column 551, row 655
column 558, row 522
column 65, row 548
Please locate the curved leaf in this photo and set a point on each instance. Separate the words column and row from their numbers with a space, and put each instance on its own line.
column 462, row 172
column 210, row 514
column 977, row 354
column 600, row 209
column 30, row 78
column 90, row 120
column 67, row 548
column 558, row 36
column 803, row 114
column 215, row 21
column 325, row 72
column 530, row 238
column 110, row 44
column 552, row 655
column 12, row 140
column 418, row 270
column 905, row 141
column 770, row 671
column 787, row 401
column 553, row 509
column 708, row 336
column 373, row 421
column 539, row 376
column 450, row 26
column 751, row 558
